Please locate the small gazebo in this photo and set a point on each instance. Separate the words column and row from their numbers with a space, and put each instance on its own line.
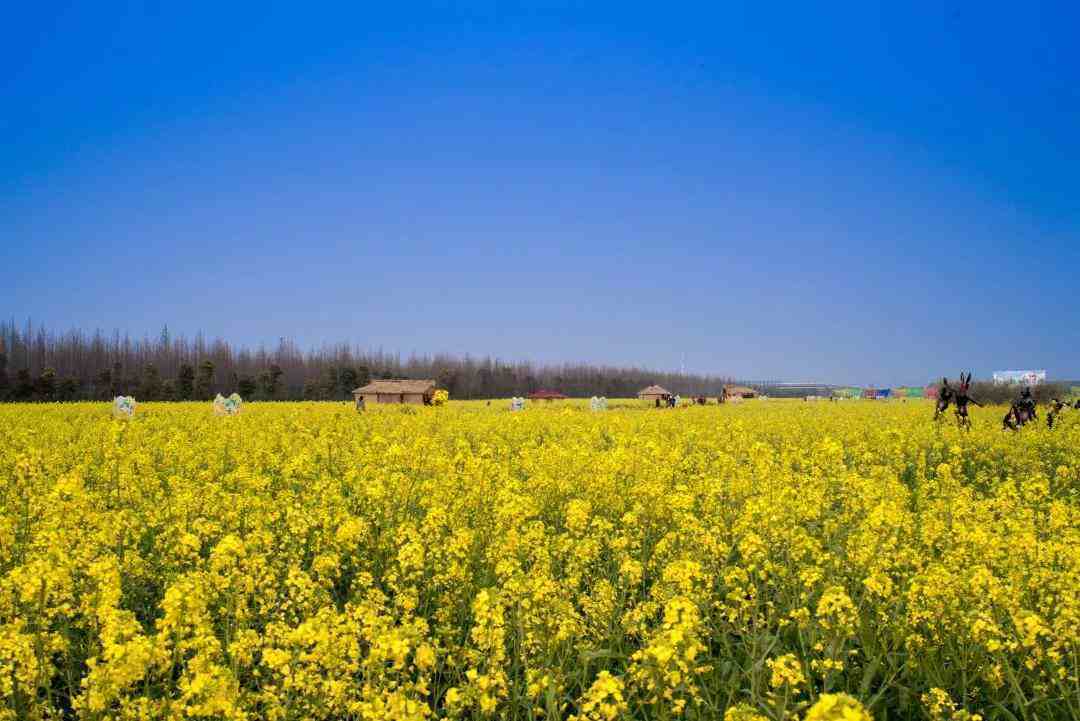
column 546, row 395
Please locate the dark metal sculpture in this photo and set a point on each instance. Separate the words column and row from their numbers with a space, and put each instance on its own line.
column 944, row 398
column 961, row 399
column 1022, row 411
column 1056, row 407
column 958, row 397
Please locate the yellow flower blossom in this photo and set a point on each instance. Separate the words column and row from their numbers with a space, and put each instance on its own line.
column 837, row 707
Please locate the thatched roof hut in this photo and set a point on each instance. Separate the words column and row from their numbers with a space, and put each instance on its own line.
column 418, row 392
column 740, row 391
column 653, row 393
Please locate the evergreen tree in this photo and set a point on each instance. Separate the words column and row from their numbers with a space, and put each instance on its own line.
column 270, row 381
column 46, row 385
column 103, row 385
column 5, row 382
column 348, row 381
column 185, row 382
column 68, row 390
column 246, row 387
column 24, row 385
column 204, row 382
column 168, row 390
column 275, row 379
column 118, row 384
column 150, row 387
column 328, row 384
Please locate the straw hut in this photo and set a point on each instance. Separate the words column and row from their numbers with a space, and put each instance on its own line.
column 740, row 392
column 654, row 393
column 396, row 391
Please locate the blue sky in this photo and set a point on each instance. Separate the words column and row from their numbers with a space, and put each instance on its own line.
column 858, row 193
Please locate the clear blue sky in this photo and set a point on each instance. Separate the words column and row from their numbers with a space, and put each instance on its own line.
column 871, row 194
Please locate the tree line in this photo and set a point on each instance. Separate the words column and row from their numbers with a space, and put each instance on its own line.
column 39, row 364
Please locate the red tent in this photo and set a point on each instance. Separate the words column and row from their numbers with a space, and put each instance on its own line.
column 546, row 395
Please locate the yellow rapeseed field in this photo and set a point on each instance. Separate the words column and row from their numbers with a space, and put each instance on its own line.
column 766, row 560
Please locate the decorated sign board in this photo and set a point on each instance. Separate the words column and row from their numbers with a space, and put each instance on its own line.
column 227, row 406
column 1028, row 378
column 123, row 407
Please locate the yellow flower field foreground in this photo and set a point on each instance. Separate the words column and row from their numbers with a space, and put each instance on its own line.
column 766, row 560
